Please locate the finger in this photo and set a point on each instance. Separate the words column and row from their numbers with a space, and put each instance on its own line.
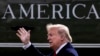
column 20, row 32
column 18, row 35
column 24, row 30
column 29, row 31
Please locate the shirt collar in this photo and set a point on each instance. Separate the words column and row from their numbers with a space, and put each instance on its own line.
column 60, row 48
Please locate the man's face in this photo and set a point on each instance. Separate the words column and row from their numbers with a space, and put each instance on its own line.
column 54, row 38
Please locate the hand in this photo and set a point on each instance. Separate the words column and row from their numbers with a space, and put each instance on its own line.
column 24, row 35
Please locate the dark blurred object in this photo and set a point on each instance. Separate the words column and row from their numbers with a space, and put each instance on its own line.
column 26, row 27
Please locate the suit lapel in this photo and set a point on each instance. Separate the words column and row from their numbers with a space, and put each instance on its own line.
column 62, row 52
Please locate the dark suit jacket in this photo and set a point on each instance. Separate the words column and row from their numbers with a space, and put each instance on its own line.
column 67, row 50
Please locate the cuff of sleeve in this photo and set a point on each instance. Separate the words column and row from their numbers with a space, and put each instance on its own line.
column 26, row 46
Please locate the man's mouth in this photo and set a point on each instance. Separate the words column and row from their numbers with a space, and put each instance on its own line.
column 50, row 42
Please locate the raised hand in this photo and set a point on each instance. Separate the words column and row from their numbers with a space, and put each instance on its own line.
column 24, row 35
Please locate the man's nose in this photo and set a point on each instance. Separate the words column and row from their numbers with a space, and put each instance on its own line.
column 48, row 38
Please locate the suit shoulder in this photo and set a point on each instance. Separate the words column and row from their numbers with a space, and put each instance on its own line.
column 72, row 51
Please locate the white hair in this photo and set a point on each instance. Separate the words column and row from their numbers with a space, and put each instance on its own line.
column 62, row 27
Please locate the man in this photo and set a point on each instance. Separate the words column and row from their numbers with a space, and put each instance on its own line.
column 58, row 37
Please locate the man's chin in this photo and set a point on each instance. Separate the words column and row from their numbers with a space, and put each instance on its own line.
column 51, row 46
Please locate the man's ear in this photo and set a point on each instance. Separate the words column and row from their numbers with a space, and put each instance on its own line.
column 63, row 36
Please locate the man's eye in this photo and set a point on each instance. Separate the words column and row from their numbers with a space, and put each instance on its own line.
column 50, row 34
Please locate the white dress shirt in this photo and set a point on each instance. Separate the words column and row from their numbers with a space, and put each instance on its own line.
column 27, row 45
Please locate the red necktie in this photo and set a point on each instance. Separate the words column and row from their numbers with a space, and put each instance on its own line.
column 54, row 54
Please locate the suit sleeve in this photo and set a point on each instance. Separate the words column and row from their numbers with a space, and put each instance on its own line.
column 32, row 51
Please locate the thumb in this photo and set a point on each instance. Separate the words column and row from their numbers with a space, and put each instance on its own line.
column 29, row 31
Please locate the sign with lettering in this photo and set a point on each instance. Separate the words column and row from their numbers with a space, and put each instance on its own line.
column 82, row 18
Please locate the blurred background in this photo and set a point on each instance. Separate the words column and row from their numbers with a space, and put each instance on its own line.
column 83, row 31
